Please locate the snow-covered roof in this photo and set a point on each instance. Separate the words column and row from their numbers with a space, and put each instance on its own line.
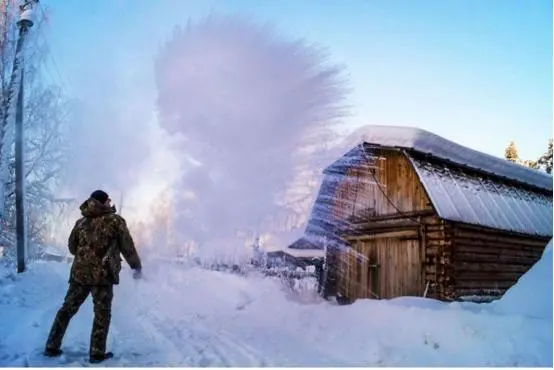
column 482, row 200
column 428, row 143
column 479, row 197
column 278, row 240
column 305, row 253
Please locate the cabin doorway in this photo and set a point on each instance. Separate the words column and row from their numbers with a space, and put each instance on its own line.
column 381, row 268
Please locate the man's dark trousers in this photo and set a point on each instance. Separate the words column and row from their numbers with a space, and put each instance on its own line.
column 102, row 296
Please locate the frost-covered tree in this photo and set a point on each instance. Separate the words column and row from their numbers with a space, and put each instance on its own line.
column 511, row 152
column 545, row 161
column 46, row 111
column 252, row 107
column 529, row 163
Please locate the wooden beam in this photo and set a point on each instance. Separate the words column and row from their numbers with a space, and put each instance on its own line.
column 385, row 234
column 488, row 243
column 463, row 229
column 472, row 267
column 390, row 216
column 379, row 228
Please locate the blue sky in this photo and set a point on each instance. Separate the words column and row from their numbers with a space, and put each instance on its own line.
column 476, row 71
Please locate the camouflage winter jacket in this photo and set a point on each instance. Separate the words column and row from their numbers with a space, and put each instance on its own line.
column 90, row 240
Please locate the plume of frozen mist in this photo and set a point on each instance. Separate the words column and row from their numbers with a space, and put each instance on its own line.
column 109, row 140
column 251, row 107
column 113, row 144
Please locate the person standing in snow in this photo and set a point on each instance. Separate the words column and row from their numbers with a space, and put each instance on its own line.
column 96, row 241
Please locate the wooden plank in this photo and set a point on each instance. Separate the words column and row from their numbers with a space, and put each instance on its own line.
column 384, row 234
column 389, row 250
column 382, row 227
column 359, row 272
column 476, row 249
column 470, row 267
column 441, row 269
column 484, row 247
column 436, row 242
column 373, row 281
column 365, row 269
column 354, row 274
column 468, row 277
column 499, row 237
column 339, row 273
column 391, row 216
column 435, row 235
column 479, row 291
column 476, row 240
column 433, row 221
column 430, row 276
column 343, row 273
column 487, row 231
column 495, row 258
column 351, row 290
column 380, row 259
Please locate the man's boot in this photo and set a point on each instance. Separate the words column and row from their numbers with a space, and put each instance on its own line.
column 52, row 352
column 95, row 359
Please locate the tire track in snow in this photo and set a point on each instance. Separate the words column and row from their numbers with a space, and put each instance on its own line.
column 138, row 342
column 199, row 343
column 192, row 348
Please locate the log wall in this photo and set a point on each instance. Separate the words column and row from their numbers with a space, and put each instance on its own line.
column 487, row 262
column 436, row 235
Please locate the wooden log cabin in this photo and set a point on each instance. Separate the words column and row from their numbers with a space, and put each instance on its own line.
column 408, row 213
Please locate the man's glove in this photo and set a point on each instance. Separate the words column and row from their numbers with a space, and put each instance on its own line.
column 137, row 273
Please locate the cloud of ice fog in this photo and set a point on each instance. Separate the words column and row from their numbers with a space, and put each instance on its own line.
column 245, row 99
column 110, row 138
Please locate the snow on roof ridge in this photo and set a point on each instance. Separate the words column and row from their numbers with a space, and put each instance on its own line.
column 429, row 143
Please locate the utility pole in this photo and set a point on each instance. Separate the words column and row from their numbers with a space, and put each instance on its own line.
column 25, row 22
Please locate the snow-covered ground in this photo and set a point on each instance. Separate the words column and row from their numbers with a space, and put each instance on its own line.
column 188, row 316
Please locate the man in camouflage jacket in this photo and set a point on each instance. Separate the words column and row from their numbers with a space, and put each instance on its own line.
column 96, row 241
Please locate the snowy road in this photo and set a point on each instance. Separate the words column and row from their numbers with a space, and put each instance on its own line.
column 141, row 331
column 194, row 317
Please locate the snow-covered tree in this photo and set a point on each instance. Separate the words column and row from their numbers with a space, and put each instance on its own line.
column 46, row 110
column 511, row 152
column 529, row 163
column 545, row 161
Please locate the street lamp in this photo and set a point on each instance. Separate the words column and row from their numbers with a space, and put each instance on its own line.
column 25, row 22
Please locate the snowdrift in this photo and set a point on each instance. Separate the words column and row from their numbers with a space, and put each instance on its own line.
column 532, row 294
